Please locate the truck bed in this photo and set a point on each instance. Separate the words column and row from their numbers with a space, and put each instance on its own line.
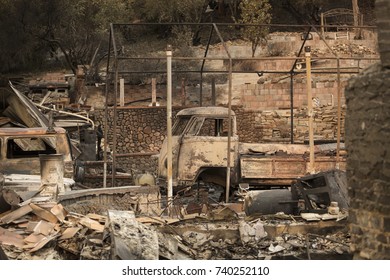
column 281, row 163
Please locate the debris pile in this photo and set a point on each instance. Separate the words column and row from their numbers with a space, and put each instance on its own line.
column 345, row 49
column 49, row 231
column 28, row 229
column 132, row 223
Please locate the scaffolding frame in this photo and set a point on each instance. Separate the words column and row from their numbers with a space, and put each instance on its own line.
column 113, row 72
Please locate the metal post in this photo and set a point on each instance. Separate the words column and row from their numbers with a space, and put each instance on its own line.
column 229, row 113
column 183, row 92
column 114, row 136
column 202, row 67
column 229, row 130
column 106, row 110
column 310, row 108
column 292, row 107
column 169, row 128
column 201, row 90
column 122, row 92
column 338, row 114
column 154, row 95
column 213, row 101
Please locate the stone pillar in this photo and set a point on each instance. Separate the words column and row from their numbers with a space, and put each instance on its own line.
column 382, row 12
column 367, row 137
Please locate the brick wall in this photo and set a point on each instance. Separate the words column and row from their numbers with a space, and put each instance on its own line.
column 368, row 163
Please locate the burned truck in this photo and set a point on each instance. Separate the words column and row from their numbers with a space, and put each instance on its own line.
column 199, row 153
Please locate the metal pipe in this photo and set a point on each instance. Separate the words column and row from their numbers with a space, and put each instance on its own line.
column 213, row 98
column 202, row 67
column 292, row 108
column 114, row 140
column 154, row 92
column 338, row 115
column 229, row 114
column 238, row 24
column 169, row 128
column 245, row 58
column 121, row 92
column 106, row 110
column 310, row 108
column 67, row 113
column 183, row 92
column 235, row 71
column 229, row 131
column 300, row 50
column 201, row 89
column 292, row 71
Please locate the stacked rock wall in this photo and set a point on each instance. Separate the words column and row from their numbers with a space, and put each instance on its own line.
column 368, row 163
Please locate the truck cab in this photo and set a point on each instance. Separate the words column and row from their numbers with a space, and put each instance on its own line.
column 199, row 146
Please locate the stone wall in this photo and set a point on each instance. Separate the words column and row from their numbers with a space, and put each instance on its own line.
column 274, row 94
column 275, row 125
column 368, row 163
column 140, row 133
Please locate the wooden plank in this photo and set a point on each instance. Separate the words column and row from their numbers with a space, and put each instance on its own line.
column 31, row 225
column 14, row 215
column 10, row 238
column 32, row 240
column 59, row 211
column 44, row 228
column 69, row 233
column 44, row 214
column 42, row 243
column 97, row 217
column 91, row 224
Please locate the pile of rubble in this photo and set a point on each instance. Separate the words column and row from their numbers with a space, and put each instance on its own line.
column 135, row 222
column 49, row 231
column 33, row 231
column 345, row 49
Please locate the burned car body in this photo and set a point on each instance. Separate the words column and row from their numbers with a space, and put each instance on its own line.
column 20, row 149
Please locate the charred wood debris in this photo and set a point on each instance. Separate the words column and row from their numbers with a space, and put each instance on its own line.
column 308, row 220
column 132, row 223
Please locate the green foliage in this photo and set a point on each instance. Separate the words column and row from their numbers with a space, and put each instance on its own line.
column 171, row 10
column 255, row 12
column 69, row 30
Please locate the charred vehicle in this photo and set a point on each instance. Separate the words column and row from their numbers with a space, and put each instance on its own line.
column 200, row 144
column 20, row 149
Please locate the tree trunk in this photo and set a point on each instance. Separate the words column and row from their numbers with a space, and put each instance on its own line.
column 382, row 10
